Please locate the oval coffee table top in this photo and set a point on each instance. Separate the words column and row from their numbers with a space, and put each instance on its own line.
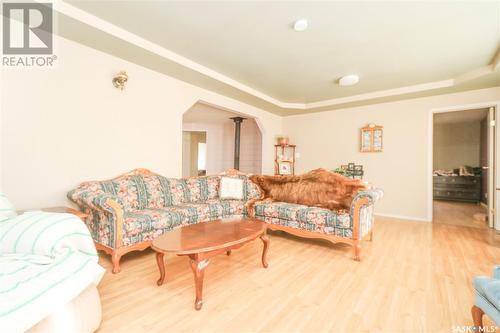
column 209, row 236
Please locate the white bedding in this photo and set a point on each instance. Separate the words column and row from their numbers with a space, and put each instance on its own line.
column 46, row 260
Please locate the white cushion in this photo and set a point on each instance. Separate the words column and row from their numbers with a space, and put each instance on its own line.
column 231, row 188
column 7, row 210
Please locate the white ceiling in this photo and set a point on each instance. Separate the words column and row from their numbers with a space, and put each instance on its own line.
column 460, row 116
column 252, row 46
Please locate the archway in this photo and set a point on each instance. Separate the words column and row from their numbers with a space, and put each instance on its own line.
column 211, row 126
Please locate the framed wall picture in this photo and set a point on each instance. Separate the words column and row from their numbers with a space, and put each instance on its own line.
column 372, row 138
column 285, row 168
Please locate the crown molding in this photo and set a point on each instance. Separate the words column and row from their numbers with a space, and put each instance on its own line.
column 382, row 93
column 118, row 32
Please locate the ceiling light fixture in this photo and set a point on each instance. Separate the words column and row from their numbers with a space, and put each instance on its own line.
column 349, row 80
column 300, row 25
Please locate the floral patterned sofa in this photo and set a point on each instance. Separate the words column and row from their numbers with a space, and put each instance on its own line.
column 126, row 213
column 345, row 226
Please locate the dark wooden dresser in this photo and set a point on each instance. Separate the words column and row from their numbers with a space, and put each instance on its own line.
column 457, row 188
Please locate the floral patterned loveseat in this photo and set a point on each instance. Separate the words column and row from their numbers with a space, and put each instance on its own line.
column 126, row 213
column 345, row 226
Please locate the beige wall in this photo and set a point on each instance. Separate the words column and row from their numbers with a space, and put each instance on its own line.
column 329, row 139
column 456, row 144
column 69, row 124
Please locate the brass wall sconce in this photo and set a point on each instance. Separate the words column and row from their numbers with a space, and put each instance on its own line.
column 120, row 79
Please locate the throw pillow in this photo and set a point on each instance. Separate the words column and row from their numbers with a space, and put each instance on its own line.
column 6, row 209
column 231, row 188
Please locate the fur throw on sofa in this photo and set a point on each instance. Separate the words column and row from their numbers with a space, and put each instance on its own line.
column 319, row 188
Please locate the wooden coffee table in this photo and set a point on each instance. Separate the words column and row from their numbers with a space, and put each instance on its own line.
column 204, row 240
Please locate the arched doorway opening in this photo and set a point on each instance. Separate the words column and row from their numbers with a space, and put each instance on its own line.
column 209, row 141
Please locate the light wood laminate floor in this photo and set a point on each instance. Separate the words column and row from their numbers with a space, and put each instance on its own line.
column 459, row 213
column 414, row 277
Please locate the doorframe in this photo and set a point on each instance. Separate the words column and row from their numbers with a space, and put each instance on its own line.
column 190, row 131
column 430, row 155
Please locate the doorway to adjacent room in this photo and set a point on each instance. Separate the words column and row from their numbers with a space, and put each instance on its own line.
column 194, row 153
column 463, row 156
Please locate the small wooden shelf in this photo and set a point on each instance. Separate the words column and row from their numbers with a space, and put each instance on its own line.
column 284, row 159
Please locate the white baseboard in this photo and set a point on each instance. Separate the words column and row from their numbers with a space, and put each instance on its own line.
column 405, row 218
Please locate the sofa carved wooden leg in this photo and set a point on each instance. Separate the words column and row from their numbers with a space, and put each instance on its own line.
column 115, row 259
column 265, row 240
column 357, row 250
column 477, row 317
column 161, row 266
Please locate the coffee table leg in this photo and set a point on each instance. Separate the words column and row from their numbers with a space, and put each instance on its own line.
column 198, row 266
column 228, row 252
column 265, row 240
column 161, row 266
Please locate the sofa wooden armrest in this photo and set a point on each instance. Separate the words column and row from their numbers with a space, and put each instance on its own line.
column 113, row 208
column 362, row 217
column 118, row 250
column 356, row 223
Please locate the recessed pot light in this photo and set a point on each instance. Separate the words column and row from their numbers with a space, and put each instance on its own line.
column 300, row 25
column 349, row 80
